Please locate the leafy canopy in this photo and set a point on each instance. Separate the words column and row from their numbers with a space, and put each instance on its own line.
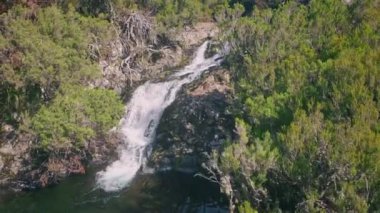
column 307, row 83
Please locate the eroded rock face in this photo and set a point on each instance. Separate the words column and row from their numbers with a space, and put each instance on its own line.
column 197, row 123
column 193, row 36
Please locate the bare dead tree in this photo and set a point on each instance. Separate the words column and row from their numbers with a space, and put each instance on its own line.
column 212, row 176
column 216, row 175
column 138, row 38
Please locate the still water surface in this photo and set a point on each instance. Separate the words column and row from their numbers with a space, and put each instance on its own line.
column 160, row 192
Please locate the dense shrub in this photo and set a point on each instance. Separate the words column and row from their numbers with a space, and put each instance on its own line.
column 42, row 48
column 307, row 79
column 48, row 57
column 77, row 114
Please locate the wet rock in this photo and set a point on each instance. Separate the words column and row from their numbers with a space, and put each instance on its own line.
column 197, row 123
column 104, row 149
column 168, row 59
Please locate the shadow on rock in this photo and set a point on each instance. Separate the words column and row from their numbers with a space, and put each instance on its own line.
column 197, row 123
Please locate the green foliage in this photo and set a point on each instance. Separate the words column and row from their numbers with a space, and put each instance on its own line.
column 178, row 13
column 224, row 12
column 229, row 159
column 250, row 159
column 48, row 56
column 40, row 50
column 246, row 208
column 263, row 155
column 173, row 14
column 307, row 79
column 77, row 114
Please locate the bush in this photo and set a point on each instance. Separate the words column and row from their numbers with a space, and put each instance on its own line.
column 76, row 115
column 307, row 80
column 42, row 49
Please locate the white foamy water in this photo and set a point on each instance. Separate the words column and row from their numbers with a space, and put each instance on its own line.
column 143, row 113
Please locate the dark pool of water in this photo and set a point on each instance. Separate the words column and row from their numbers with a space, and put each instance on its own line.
column 161, row 192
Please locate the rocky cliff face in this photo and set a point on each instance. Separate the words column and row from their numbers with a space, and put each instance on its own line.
column 195, row 125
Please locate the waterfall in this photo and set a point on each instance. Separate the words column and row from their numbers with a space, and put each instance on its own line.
column 143, row 113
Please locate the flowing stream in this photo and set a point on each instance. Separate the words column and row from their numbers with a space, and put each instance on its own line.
column 161, row 191
column 143, row 113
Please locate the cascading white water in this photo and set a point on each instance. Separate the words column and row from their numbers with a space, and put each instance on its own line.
column 143, row 113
